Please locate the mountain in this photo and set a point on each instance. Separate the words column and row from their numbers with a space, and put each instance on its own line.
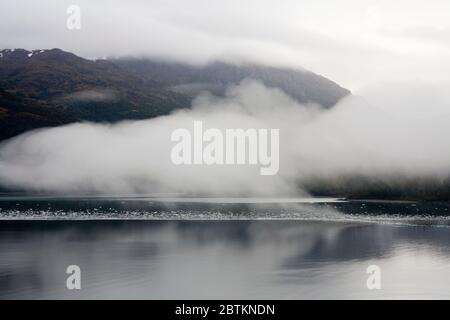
column 216, row 77
column 88, row 90
column 19, row 114
column 42, row 88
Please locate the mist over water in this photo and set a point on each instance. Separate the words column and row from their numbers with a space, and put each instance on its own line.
column 363, row 185
column 384, row 137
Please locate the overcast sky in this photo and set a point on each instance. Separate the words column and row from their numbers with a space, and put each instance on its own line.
column 353, row 42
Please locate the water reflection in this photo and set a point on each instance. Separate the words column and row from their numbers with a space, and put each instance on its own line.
column 222, row 259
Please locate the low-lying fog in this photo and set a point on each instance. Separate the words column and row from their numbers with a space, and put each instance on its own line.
column 394, row 132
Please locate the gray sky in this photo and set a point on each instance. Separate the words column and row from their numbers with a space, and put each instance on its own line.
column 353, row 42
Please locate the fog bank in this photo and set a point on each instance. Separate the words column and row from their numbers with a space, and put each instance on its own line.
column 386, row 136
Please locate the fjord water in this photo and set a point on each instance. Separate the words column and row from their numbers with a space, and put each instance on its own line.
column 170, row 248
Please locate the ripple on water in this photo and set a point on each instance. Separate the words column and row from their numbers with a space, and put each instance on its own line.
column 148, row 208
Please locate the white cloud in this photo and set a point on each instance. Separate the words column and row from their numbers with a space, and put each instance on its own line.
column 336, row 39
column 355, row 137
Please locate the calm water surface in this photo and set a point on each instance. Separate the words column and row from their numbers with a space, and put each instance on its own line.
column 151, row 248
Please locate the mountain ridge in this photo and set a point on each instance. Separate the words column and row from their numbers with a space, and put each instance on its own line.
column 51, row 87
